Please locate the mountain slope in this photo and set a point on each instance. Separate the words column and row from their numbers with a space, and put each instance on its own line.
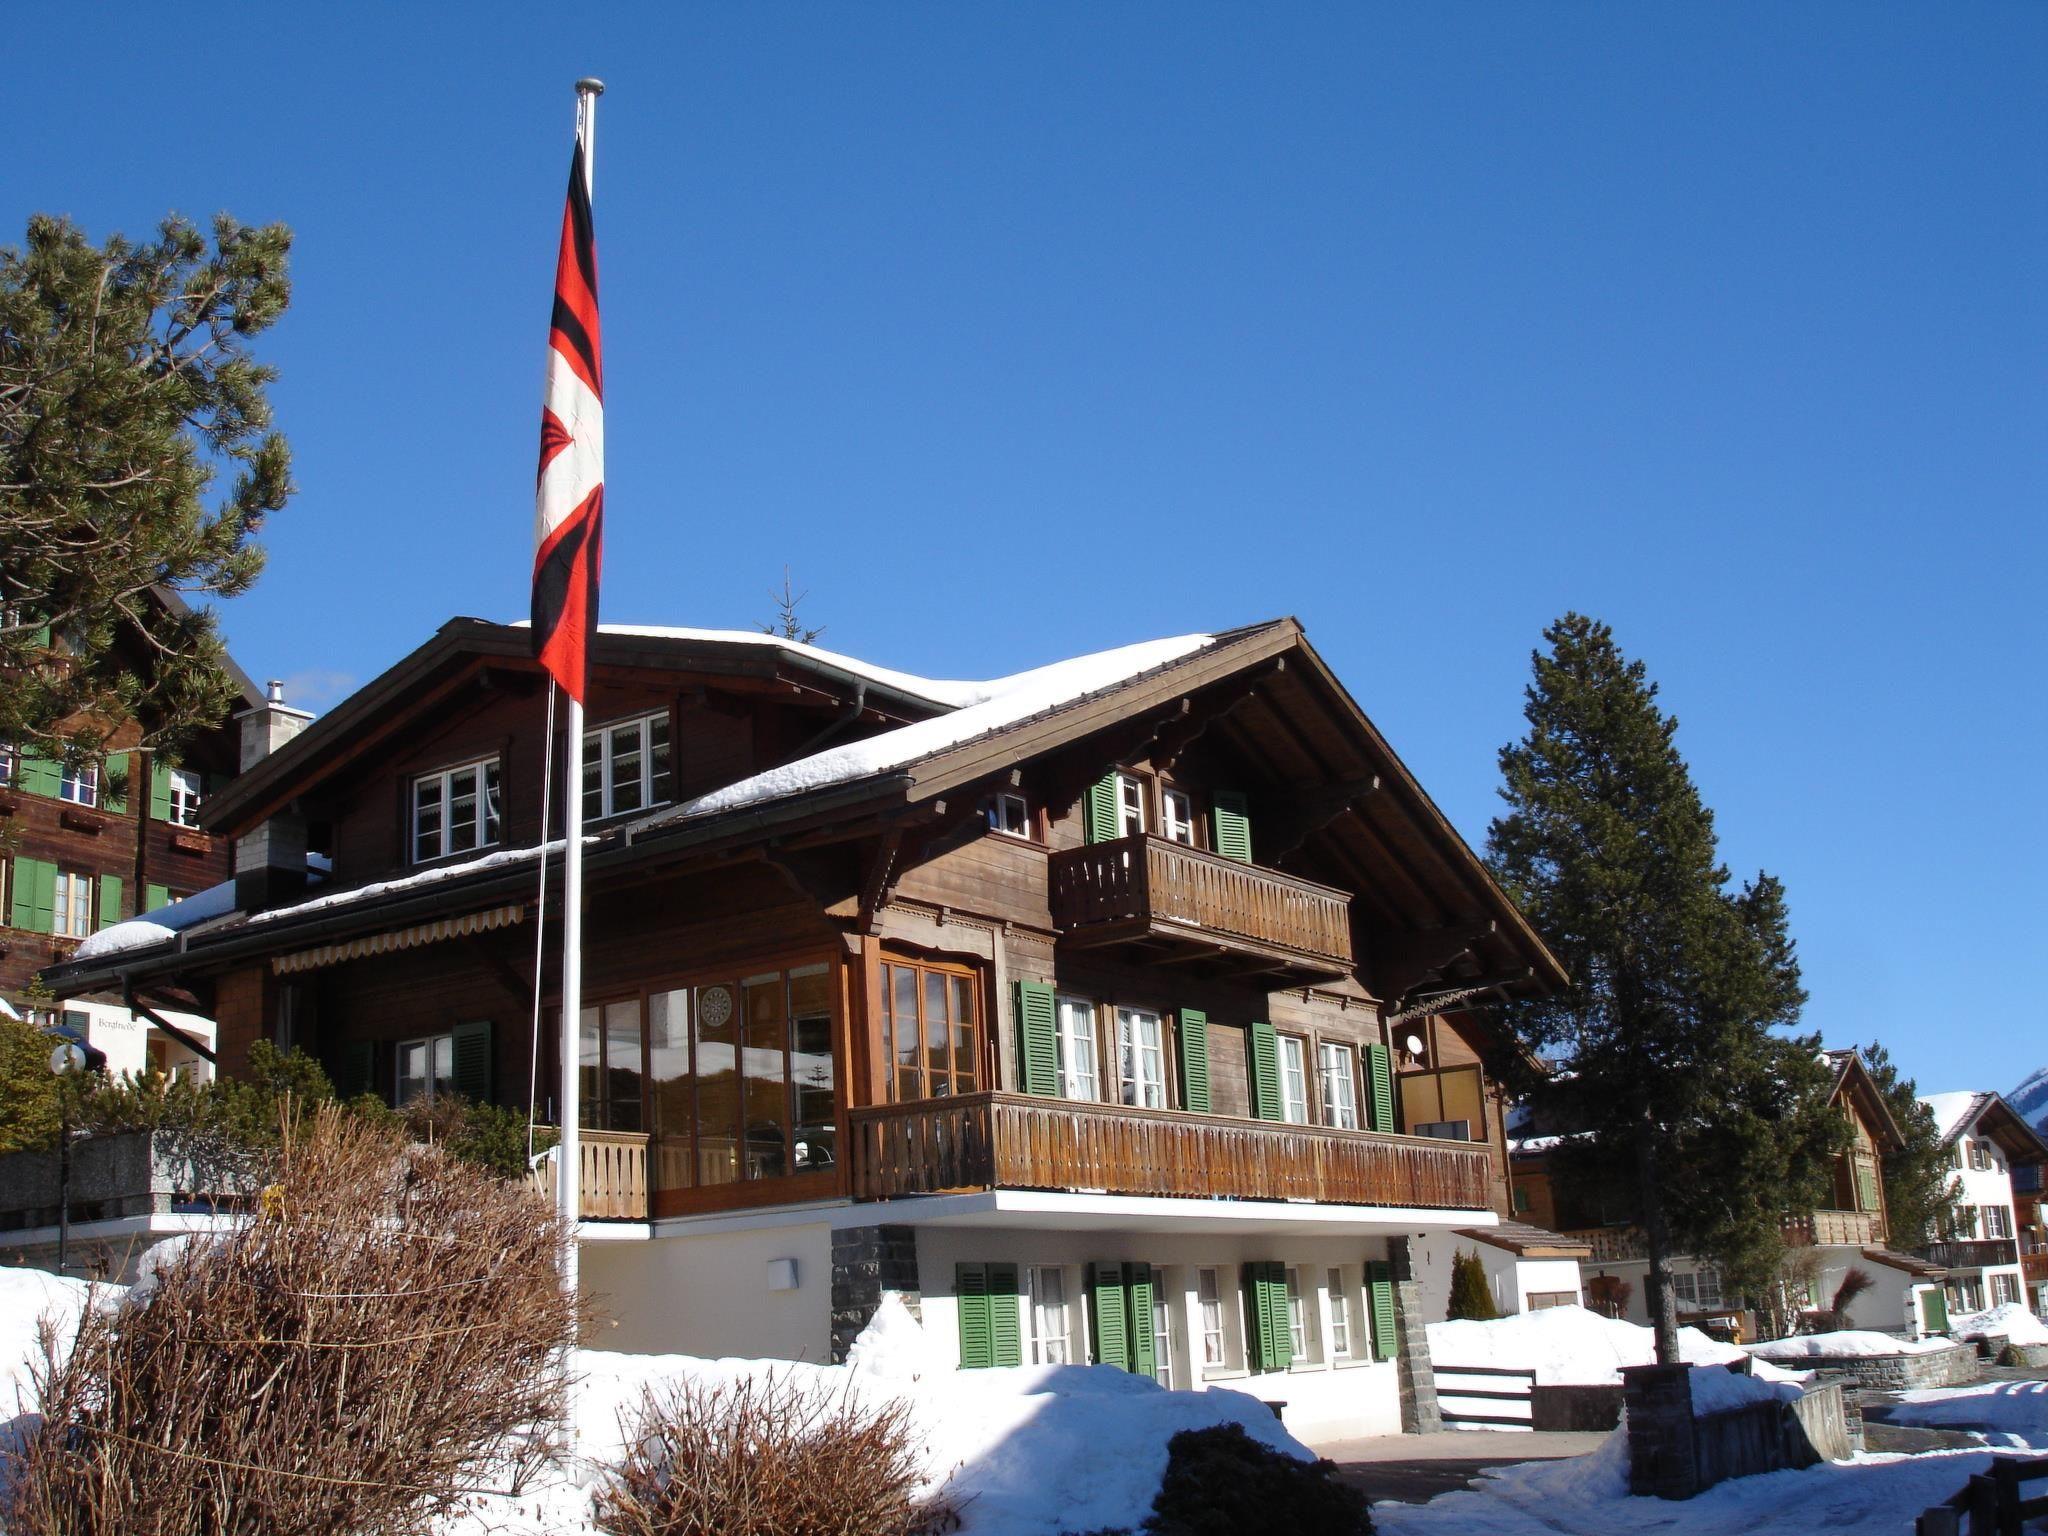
column 2031, row 1100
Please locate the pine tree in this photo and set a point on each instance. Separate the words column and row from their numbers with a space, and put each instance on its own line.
column 786, row 625
column 1471, row 1297
column 126, row 390
column 1678, row 982
column 1919, row 1201
column 28, row 1089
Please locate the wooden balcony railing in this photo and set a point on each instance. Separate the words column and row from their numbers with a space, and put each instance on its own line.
column 1016, row 1141
column 1611, row 1245
column 2034, row 1266
column 1835, row 1229
column 1972, row 1253
column 614, row 1184
column 1146, row 888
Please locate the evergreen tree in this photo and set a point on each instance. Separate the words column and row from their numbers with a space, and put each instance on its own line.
column 126, row 390
column 1678, row 982
column 1471, row 1297
column 786, row 625
column 28, row 1089
column 1918, row 1199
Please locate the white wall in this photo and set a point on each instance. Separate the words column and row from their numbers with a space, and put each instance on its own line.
column 1510, row 1278
column 1326, row 1398
column 125, row 1038
column 708, row 1294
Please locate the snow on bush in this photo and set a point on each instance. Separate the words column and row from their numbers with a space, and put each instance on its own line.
column 1849, row 1344
column 2012, row 1322
column 1566, row 1346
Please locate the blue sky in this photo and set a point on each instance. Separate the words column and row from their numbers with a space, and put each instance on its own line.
column 1020, row 331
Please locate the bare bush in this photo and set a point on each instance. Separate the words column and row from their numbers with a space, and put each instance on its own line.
column 768, row 1457
column 380, row 1338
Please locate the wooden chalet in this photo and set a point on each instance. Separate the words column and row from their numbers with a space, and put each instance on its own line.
column 1128, row 1009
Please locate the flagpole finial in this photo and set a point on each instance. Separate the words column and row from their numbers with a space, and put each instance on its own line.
column 590, row 85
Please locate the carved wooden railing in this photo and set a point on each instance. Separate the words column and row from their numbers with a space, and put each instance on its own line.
column 1835, row 1229
column 1972, row 1253
column 614, row 1184
column 1146, row 880
column 2034, row 1266
column 1016, row 1141
column 1611, row 1245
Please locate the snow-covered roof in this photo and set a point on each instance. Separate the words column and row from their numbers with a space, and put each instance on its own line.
column 167, row 922
column 1952, row 1111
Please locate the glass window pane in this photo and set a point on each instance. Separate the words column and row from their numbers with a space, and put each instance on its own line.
column 902, row 989
column 937, row 1037
column 444, row 1063
column 426, row 799
column 462, row 810
column 593, row 779
column 718, row 1085
column 491, row 802
column 660, row 782
column 765, row 1068
column 625, row 749
column 966, row 1070
column 589, row 1071
column 810, row 1054
column 669, row 1087
column 622, row 1066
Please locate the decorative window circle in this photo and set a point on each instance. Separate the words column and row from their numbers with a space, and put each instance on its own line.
column 714, row 1007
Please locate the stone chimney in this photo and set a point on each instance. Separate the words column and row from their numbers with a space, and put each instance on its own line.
column 270, row 862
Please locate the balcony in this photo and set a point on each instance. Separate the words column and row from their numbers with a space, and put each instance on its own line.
column 2034, row 1266
column 1612, row 1245
column 1193, row 905
column 614, row 1184
column 1835, row 1229
column 1015, row 1141
column 1978, row 1253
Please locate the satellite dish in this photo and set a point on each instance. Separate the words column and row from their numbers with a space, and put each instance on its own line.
column 1412, row 1045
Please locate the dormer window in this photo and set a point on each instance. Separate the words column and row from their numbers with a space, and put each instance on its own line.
column 455, row 811
column 1009, row 814
column 626, row 767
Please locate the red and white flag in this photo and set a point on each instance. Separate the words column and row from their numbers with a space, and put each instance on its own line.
column 569, row 499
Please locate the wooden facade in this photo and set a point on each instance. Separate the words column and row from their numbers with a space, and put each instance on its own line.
column 1214, row 879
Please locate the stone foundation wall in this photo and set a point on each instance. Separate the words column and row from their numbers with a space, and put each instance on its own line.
column 1955, row 1366
column 1420, row 1414
column 1673, row 1455
column 867, row 1263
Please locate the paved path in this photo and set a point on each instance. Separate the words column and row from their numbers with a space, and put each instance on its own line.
column 1414, row 1469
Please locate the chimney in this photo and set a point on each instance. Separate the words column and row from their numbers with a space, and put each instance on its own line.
column 270, row 862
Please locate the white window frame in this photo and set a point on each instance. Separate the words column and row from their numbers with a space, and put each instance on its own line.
column 1141, row 1063
column 1301, row 1322
column 10, row 764
column 2004, row 1289
column 1177, row 816
column 1130, row 804
column 1010, row 814
column 1052, row 1322
column 488, row 814
column 1997, row 1221
column 1337, row 1064
column 1214, row 1318
column 437, row 1048
column 598, row 753
column 187, row 795
column 1162, row 1328
column 78, row 782
column 1294, row 1079
column 1080, row 1065
column 71, row 913
column 1341, row 1334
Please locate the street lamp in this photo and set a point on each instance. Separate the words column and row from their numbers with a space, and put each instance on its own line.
column 67, row 1058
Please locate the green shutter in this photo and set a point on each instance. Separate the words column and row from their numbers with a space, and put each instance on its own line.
column 1277, row 1326
column 1038, row 1040
column 1099, row 821
column 159, row 788
column 1005, row 1343
column 1265, row 1064
column 35, row 895
column 110, row 900
column 1379, row 1084
column 1866, row 1187
column 40, row 775
column 1270, row 1345
column 970, row 1292
column 117, row 764
column 1379, row 1290
column 157, row 896
column 1144, row 1347
column 1194, row 1060
column 472, row 1077
column 1233, row 825
column 1112, row 1311
column 1934, row 1310
column 355, row 1072
column 1256, row 1348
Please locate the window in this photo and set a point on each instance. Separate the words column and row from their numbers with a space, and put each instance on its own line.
column 626, row 767
column 1177, row 816
column 1980, row 1152
column 426, row 1068
column 10, row 764
column 1141, row 1058
column 1522, row 1201
column 2004, row 1288
column 1010, row 815
column 1209, row 1301
column 185, row 797
column 1300, row 1331
column 1079, row 1075
column 1698, row 1290
column 1997, row 1221
column 72, row 909
column 455, row 811
column 1293, row 1080
column 1130, row 805
column 1338, row 1065
column 931, row 1024
column 608, row 1059
column 80, row 783
column 1966, row 1295
column 1340, row 1316
column 1050, row 1326
column 1162, row 1329
column 1542, row 1301
column 1965, row 1222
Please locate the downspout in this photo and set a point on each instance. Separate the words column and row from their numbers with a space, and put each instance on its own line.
column 851, row 712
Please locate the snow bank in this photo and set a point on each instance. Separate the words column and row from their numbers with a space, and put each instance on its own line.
column 2012, row 1414
column 27, row 1296
column 1849, row 1344
column 1566, row 1346
column 1716, row 1389
column 2010, row 1321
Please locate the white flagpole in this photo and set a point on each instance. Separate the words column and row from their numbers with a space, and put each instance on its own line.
column 569, row 1155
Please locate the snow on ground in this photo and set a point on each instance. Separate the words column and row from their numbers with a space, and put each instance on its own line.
column 1849, row 1344
column 1588, row 1496
column 1569, row 1346
column 1715, row 1389
column 2013, row 1414
column 2011, row 1321
column 26, row 1297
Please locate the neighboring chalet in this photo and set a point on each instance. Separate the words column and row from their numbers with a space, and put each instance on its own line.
column 86, row 843
column 1059, row 1003
column 1849, row 1232
column 1993, row 1151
